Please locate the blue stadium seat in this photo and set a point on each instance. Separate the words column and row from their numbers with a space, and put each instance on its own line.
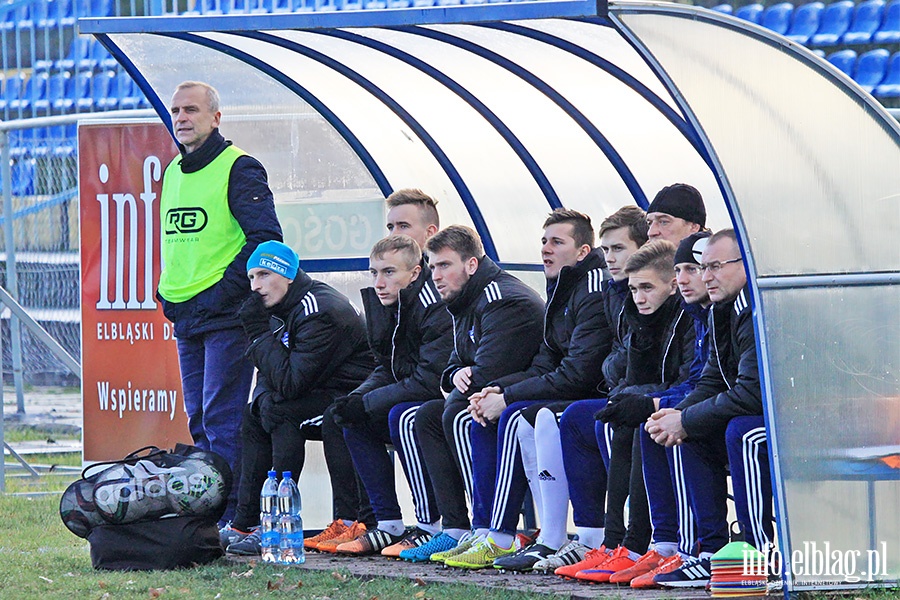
column 104, row 59
column 870, row 69
column 22, row 142
column 724, row 8
column 100, row 84
column 866, row 19
column 843, row 60
column 102, row 8
column 81, row 91
column 34, row 13
column 750, row 12
column 79, row 49
column 35, row 89
column 56, row 91
column 777, row 17
column 111, row 100
column 889, row 32
column 818, row 52
column 8, row 20
column 890, row 85
column 805, row 22
column 835, row 21
column 23, row 172
column 13, row 86
column 128, row 96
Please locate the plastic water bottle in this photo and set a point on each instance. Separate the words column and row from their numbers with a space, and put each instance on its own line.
column 290, row 524
column 268, row 519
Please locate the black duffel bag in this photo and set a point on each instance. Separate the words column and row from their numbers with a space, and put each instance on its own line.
column 153, row 509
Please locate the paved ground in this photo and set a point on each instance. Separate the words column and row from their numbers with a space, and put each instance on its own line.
column 433, row 574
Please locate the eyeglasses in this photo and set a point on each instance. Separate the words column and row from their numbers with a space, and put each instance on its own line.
column 715, row 266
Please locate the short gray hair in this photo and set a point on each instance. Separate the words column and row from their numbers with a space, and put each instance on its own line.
column 212, row 94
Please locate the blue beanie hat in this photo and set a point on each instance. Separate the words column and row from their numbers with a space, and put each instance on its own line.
column 276, row 257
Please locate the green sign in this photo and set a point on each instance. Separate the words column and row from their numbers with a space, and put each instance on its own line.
column 338, row 229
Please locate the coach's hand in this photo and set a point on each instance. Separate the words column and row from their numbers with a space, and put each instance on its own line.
column 626, row 410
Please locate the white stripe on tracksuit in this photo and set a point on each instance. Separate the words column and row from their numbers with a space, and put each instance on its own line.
column 505, row 468
column 685, row 516
column 751, row 443
column 415, row 474
column 462, row 422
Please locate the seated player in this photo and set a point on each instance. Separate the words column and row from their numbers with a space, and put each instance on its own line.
column 497, row 326
column 410, row 335
column 308, row 344
column 720, row 423
column 576, row 340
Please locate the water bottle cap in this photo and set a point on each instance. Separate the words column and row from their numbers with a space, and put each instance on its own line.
column 286, row 474
column 273, row 474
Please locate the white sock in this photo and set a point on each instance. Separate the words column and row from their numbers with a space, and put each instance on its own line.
column 504, row 540
column 705, row 555
column 592, row 537
column 666, row 548
column 456, row 534
column 482, row 532
column 392, row 527
column 347, row 522
column 554, row 506
column 525, row 435
column 432, row 528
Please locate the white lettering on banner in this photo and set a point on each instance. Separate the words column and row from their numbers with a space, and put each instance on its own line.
column 152, row 173
column 129, row 399
column 125, row 332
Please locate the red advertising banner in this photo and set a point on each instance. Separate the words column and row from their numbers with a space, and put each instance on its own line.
column 131, row 386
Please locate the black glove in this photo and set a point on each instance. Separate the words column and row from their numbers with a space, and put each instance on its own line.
column 254, row 316
column 626, row 410
column 349, row 410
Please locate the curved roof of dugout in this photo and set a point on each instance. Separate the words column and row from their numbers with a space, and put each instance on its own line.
column 504, row 111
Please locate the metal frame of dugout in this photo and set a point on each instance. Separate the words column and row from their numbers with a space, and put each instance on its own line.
column 505, row 111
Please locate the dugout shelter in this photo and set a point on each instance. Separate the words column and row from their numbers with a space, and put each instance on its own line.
column 504, row 111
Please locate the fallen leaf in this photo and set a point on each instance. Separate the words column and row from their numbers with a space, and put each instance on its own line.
column 156, row 592
column 276, row 585
column 420, row 594
column 338, row 576
column 47, row 579
column 291, row 588
column 101, row 585
column 419, row 582
column 247, row 573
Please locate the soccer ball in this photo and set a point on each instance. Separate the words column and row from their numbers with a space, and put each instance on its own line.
column 117, row 496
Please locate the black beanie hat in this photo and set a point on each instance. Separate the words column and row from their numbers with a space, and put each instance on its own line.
column 680, row 200
column 691, row 248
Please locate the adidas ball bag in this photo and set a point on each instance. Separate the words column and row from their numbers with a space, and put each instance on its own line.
column 154, row 509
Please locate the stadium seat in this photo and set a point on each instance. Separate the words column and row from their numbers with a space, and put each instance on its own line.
column 843, row 60
column 890, row 85
column 22, row 142
column 724, row 8
column 23, row 172
column 819, row 52
column 111, row 100
column 56, row 88
column 866, row 19
column 750, row 12
column 777, row 17
column 835, row 21
column 805, row 22
column 129, row 97
column 79, row 50
column 889, row 32
column 35, row 89
column 13, row 86
column 32, row 14
column 81, row 93
column 103, row 58
column 101, row 8
column 100, row 84
column 8, row 20
column 870, row 69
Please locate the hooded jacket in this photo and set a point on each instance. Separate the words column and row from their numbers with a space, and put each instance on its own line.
column 669, row 398
column 496, row 328
column 411, row 341
column 317, row 345
column 251, row 204
column 729, row 385
column 660, row 348
column 577, row 338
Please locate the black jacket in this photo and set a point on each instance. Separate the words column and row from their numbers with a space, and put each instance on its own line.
column 496, row 328
column 252, row 206
column 411, row 340
column 318, row 345
column 616, row 362
column 729, row 385
column 660, row 347
column 576, row 339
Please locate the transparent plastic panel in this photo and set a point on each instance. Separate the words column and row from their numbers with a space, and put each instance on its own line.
column 834, row 365
column 576, row 175
column 327, row 201
column 655, row 152
column 815, row 175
